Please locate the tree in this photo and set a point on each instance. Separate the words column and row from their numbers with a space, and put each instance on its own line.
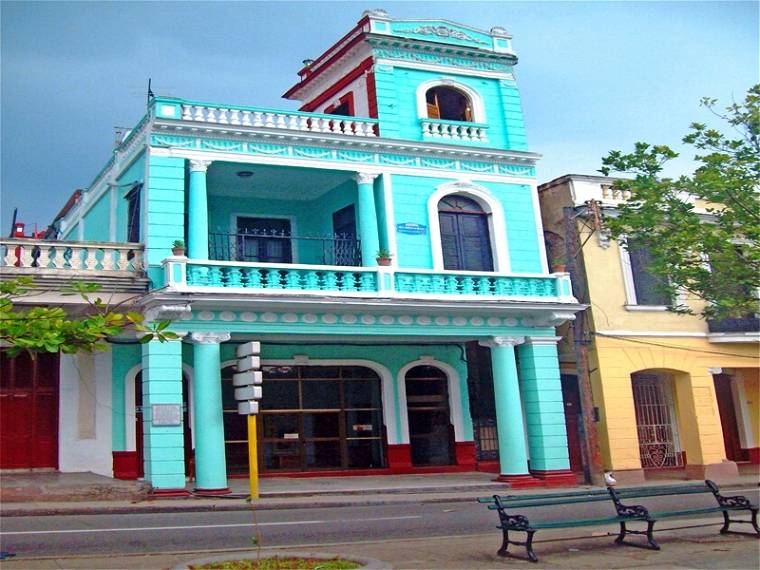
column 702, row 231
column 52, row 329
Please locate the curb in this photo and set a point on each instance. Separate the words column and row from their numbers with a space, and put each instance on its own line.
column 367, row 563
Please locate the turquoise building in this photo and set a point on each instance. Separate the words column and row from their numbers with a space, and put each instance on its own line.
column 383, row 243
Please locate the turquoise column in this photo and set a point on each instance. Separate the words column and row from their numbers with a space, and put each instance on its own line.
column 210, row 461
column 370, row 242
column 544, row 409
column 513, row 453
column 197, row 211
column 163, row 445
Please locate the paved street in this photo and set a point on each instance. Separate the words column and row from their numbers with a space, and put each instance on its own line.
column 426, row 534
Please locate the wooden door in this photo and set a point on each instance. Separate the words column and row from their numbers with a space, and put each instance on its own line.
column 431, row 434
column 29, row 411
column 465, row 242
column 728, row 421
column 572, row 402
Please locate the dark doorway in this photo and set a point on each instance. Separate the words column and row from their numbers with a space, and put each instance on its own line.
column 29, row 411
column 431, row 434
column 728, row 422
column 465, row 238
column 345, row 245
column 312, row 418
column 186, row 435
column 265, row 240
column 448, row 103
column 571, row 399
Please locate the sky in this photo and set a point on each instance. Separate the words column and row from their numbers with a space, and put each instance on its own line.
column 593, row 76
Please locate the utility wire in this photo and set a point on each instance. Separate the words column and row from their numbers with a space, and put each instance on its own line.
column 678, row 347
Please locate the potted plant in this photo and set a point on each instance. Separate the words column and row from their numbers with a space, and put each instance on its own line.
column 383, row 257
column 559, row 264
column 178, row 247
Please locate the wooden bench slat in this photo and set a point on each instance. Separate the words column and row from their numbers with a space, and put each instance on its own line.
column 550, row 502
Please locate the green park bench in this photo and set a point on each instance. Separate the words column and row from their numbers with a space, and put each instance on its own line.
column 510, row 521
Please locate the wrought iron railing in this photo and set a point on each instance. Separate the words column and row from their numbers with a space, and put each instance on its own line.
column 271, row 246
column 486, row 439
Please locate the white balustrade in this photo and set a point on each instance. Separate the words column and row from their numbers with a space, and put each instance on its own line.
column 339, row 125
column 90, row 257
column 454, row 131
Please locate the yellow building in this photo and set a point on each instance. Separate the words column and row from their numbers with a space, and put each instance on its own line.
column 670, row 391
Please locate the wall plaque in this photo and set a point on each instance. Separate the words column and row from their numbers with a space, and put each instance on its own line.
column 166, row 415
column 411, row 228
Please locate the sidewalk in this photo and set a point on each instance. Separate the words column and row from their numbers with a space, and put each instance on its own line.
column 693, row 544
column 83, row 493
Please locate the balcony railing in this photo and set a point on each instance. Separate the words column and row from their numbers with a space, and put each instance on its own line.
column 277, row 278
column 39, row 256
column 282, row 120
column 265, row 246
column 454, row 130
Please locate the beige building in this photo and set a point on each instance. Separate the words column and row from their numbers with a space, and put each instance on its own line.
column 671, row 391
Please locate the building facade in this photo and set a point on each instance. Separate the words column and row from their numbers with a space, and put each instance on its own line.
column 409, row 144
column 672, row 391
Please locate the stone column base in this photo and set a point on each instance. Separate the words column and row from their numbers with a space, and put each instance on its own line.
column 169, row 493
column 558, row 478
column 724, row 470
column 520, row 481
column 224, row 491
column 465, row 453
column 628, row 476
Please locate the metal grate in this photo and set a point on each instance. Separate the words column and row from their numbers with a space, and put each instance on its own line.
column 655, row 423
column 486, row 439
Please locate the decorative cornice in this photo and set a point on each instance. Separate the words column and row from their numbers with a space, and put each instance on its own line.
column 555, row 319
column 502, row 341
column 460, row 61
column 209, row 337
column 168, row 312
column 366, row 177
column 543, row 340
column 441, row 32
column 199, row 165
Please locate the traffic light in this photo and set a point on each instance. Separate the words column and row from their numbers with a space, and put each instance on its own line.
column 248, row 378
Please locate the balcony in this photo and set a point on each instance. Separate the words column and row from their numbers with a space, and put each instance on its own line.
column 117, row 267
column 433, row 129
column 184, row 274
column 256, row 117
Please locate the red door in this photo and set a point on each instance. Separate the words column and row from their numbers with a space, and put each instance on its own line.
column 28, row 411
column 572, row 401
column 734, row 451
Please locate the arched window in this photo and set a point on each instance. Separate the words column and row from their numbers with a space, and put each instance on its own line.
column 465, row 238
column 448, row 103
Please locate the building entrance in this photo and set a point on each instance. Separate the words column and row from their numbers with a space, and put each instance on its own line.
column 431, row 434
column 312, row 418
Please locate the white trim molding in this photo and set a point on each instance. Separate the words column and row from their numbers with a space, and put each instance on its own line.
column 497, row 227
column 209, row 337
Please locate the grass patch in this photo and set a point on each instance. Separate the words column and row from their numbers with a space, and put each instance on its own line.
column 282, row 563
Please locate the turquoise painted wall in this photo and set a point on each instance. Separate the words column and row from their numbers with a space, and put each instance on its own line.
column 410, row 203
column 123, row 358
column 165, row 212
column 97, row 221
column 72, row 233
column 134, row 173
column 397, row 106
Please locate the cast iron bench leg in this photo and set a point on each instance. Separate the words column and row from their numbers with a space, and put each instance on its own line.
column 621, row 537
column 650, row 536
column 504, row 550
column 529, row 546
column 727, row 520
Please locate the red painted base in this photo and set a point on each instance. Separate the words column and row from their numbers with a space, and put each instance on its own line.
column 520, row 481
column 399, row 456
column 465, row 452
column 753, row 455
column 488, row 466
column 125, row 465
column 560, row 478
column 168, row 493
column 225, row 491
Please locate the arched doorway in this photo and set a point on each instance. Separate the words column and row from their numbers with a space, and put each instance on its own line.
column 447, row 103
column 431, row 435
column 186, row 434
column 465, row 235
column 656, row 423
column 312, row 418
